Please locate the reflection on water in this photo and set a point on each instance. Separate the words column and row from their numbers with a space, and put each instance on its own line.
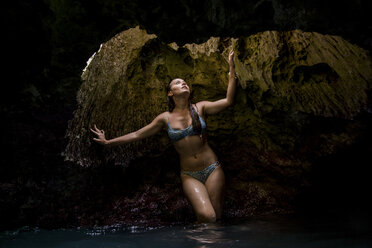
column 212, row 234
column 279, row 232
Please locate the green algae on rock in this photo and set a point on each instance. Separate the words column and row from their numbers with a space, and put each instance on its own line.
column 124, row 89
column 124, row 84
column 294, row 87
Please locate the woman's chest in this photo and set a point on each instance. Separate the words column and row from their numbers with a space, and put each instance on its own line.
column 180, row 121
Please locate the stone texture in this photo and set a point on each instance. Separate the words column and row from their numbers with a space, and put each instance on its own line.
column 297, row 98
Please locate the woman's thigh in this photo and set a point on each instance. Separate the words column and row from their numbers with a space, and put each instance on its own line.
column 215, row 186
column 197, row 195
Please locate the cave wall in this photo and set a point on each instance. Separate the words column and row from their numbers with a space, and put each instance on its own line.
column 47, row 44
column 288, row 83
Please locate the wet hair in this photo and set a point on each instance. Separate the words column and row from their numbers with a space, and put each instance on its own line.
column 196, row 125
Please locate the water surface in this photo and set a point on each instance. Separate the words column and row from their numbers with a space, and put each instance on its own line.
column 255, row 232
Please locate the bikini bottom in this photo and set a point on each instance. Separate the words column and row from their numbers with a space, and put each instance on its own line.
column 202, row 175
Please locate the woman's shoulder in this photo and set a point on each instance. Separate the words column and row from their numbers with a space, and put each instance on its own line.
column 201, row 104
column 200, row 107
column 163, row 117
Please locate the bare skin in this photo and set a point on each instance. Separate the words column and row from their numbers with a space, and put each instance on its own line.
column 195, row 155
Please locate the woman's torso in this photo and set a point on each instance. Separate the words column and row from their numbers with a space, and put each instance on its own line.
column 195, row 154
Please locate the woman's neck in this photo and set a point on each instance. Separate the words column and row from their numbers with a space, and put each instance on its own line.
column 181, row 104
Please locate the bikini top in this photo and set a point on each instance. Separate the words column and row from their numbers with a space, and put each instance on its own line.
column 178, row 134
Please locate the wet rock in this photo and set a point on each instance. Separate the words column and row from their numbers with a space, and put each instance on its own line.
column 299, row 98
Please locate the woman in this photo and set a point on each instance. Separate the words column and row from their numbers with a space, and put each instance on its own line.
column 202, row 177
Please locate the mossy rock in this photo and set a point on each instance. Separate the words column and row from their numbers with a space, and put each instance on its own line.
column 293, row 86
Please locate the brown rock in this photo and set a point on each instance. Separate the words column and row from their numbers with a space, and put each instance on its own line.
column 286, row 81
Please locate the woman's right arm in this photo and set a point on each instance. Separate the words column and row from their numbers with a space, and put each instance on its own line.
column 155, row 126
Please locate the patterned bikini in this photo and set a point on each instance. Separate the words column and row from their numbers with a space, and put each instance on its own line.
column 178, row 134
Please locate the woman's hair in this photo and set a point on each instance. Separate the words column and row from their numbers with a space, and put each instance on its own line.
column 196, row 125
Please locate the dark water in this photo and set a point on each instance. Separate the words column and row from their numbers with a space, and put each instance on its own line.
column 255, row 232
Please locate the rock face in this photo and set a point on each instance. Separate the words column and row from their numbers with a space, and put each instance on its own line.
column 297, row 97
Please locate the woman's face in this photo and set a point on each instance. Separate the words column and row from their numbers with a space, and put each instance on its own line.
column 177, row 87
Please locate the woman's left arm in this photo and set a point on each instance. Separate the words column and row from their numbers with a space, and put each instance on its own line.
column 215, row 107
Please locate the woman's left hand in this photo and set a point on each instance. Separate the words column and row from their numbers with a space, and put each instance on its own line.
column 231, row 58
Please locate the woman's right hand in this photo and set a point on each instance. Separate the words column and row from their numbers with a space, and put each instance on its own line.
column 231, row 58
column 101, row 136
